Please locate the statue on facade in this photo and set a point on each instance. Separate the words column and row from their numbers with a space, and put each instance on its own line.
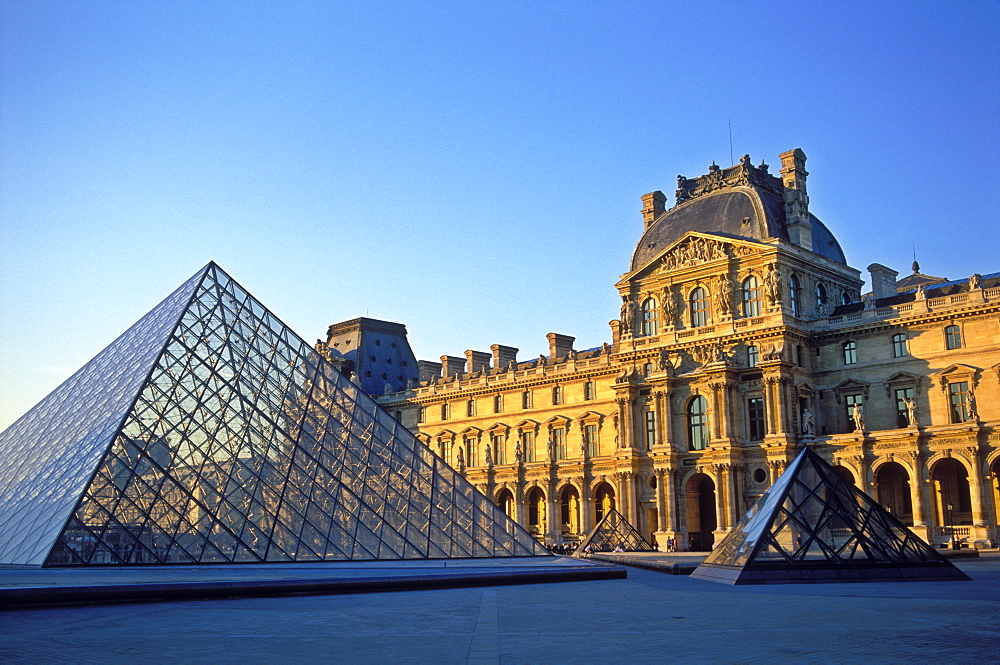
column 911, row 411
column 869, row 300
column 772, row 286
column 664, row 363
column 808, row 427
column 512, row 366
column 669, row 307
column 627, row 315
column 387, row 389
column 550, row 449
column 725, row 301
column 973, row 410
column 859, row 417
column 975, row 282
column 461, row 461
column 489, row 455
column 921, row 292
column 518, row 453
column 541, row 360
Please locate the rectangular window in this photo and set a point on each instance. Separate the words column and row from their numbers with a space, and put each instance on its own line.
column 850, row 353
column 526, row 399
column 470, row 409
column 445, row 411
column 902, row 413
column 471, row 454
column 557, row 395
column 499, row 454
column 421, row 414
column 590, row 440
column 588, row 390
column 559, row 441
column 528, row 446
column 649, row 417
column 755, row 418
column 497, row 403
column 959, row 397
column 953, row 337
column 849, row 402
column 899, row 348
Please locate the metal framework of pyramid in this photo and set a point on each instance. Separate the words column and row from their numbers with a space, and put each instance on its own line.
column 614, row 532
column 811, row 526
column 208, row 433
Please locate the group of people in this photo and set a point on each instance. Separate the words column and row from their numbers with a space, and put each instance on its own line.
column 562, row 549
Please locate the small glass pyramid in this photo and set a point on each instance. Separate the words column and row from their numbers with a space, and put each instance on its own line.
column 210, row 432
column 614, row 533
column 811, row 526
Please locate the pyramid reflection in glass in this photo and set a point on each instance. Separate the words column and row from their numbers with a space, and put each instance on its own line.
column 811, row 526
column 210, row 432
column 614, row 533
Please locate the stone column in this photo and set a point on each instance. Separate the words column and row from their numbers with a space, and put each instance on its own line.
column 672, row 506
column 658, row 397
column 551, row 514
column 976, row 490
column 720, row 498
column 718, row 417
column 661, row 503
column 624, row 430
column 918, row 493
column 519, row 499
column 586, row 507
column 734, row 514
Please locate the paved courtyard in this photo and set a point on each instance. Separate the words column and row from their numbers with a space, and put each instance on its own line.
column 649, row 617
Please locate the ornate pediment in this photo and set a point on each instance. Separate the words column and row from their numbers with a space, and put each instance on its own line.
column 695, row 249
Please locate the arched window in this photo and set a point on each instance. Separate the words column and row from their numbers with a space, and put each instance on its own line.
column 820, row 297
column 751, row 297
column 795, row 294
column 752, row 355
column 697, row 423
column 650, row 317
column 699, row 307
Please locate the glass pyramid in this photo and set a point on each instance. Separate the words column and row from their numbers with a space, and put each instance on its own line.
column 614, row 533
column 811, row 526
column 210, row 432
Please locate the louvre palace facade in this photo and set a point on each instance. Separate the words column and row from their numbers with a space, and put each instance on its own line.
column 743, row 335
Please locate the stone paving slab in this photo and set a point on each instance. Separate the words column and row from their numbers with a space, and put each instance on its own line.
column 24, row 587
column 648, row 617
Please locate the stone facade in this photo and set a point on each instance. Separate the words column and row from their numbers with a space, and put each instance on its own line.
column 739, row 340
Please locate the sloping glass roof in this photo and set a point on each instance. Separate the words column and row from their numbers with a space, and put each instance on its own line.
column 812, row 526
column 615, row 533
column 210, row 432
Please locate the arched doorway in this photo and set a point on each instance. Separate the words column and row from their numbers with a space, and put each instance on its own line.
column 845, row 474
column 700, row 512
column 892, row 491
column 604, row 501
column 569, row 511
column 536, row 511
column 505, row 500
column 952, row 499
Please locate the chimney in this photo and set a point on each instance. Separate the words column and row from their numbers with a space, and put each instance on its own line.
column 653, row 204
column 450, row 366
column 793, row 176
column 476, row 360
column 559, row 345
column 428, row 370
column 503, row 355
column 883, row 280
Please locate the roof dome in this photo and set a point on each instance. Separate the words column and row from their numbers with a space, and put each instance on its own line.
column 742, row 201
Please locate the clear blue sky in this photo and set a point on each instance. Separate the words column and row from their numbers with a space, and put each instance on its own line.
column 471, row 169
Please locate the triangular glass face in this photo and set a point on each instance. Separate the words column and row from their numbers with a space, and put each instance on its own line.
column 236, row 442
column 614, row 533
column 809, row 520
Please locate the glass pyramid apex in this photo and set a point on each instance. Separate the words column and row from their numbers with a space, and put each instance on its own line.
column 210, row 432
column 811, row 526
column 615, row 533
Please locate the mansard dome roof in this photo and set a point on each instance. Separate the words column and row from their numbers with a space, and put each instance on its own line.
column 742, row 201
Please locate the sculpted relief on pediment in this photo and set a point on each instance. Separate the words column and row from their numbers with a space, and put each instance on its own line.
column 697, row 250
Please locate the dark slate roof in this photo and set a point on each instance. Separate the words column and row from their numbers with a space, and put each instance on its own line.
column 722, row 213
column 933, row 291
